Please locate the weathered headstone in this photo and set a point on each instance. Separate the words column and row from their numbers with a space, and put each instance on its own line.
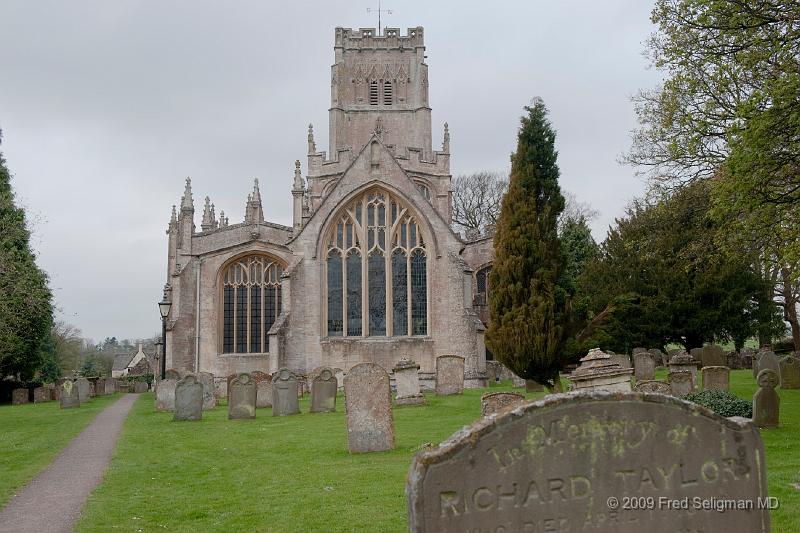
column 41, row 395
column 242, row 398
column 284, row 393
column 84, row 389
column 766, row 402
column 746, row 355
column 644, row 367
column 533, row 386
column 449, row 375
column 406, row 379
column 598, row 372
column 494, row 402
column 681, row 383
column 173, row 374
column 110, row 386
column 189, row 399
column 697, row 355
column 69, row 395
column 264, row 393
column 638, row 350
column 683, row 362
column 492, row 371
column 790, row 372
column 368, row 398
column 206, row 379
column 715, row 377
column 19, row 396
column 323, row 392
column 734, row 361
column 768, row 359
column 658, row 356
column 570, row 463
column 165, row 395
column 713, row 355
column 142, row 386
column 652, row 385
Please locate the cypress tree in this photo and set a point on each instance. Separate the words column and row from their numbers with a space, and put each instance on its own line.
column 26, row 311
column 529, row 305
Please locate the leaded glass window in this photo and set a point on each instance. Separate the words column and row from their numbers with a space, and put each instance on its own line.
column 250, row 304
column 376, row 270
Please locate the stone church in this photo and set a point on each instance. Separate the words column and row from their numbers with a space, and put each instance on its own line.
column 369, row 270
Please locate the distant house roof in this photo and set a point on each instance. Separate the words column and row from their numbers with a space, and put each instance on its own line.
column 121, row 361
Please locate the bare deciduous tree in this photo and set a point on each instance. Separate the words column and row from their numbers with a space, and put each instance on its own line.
column 476, row 201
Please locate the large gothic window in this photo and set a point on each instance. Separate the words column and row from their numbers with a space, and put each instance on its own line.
column 251, row 301
column 376, row 270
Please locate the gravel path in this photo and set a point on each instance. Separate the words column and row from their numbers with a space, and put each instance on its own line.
column 53, row 500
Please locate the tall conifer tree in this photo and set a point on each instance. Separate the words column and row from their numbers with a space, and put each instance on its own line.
column 529, row 305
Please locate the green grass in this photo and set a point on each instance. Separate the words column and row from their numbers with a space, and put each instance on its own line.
column 31, row 435
column 294, row 473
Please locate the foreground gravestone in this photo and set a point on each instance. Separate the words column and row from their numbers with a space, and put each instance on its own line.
column 494, row 402
column 406, row 379
column 188, row 399
column 681, row 383
column 264, row 393
column 84, row 389
column 713, row 355
column 165, row 395
column 715, row 377
column 19, row 396
column 69, row 395
column 766, row 402
column 41, row 395
column 654, row 386
column 284, row 393
column 242, row 398
column 449, row 375
column 644, row 367
column 368, row 402
column 206, row 379
column 323, row 392
column 790, row 373
column 575, row 463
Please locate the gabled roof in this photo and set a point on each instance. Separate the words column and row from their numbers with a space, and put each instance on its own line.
column 122, row 360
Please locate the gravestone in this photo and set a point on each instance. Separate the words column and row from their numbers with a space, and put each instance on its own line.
column 598, row 372
column 492, row 371
column 110, row 386
column 189, row 399
column 532, row 386
column 368, row 402
column 41, row 395
column 242, row 398
column 652, row 385
column 84, row 389
column 716, row 377
column 494, row 402
column 19, row 396
column 569, row 463
column 284, row 393
column 165, row 395
column 100, row 387
column 697, row 355
column 69, row 395
column 790, row 372
column 768, row 359
column 643, row 366
column 406, row 379
column 206, row 379
column 228, row 380
column 264, row 393
column 746, row 355
column 658, row 356
column 323, row 392
column 142, row 386
column 173, row 374
column 621, row 359
column 713, row 355
column 681, row 383
column 734, row 361
column 639, row 350
column 449, row 375
column 683, row 362
column 766, row 402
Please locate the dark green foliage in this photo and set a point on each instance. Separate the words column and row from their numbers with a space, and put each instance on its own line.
column 530, row 301
column 722, row 402
column 25, row 300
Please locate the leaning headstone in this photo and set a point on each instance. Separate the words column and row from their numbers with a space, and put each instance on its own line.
column 681, row 383
column 713, row 355
column 368, row 399
column 323, row 392
column 284, row 393
column 406, row 379
column 165, row 395
column 716, row 377
column 110, row 386
column 766, row 402
column 501, row 474
column 264, row 393
column 41, row 395
column 790, row 372
column 242, row 398
column 449, row 375
column 494, row 402
column 19, row 396
column 84, row 389
column 206, row 379
column 142, row 386
column 188, row 399
column 644, row 367
column 652, row 385
column 768, row 359
column 69, row 395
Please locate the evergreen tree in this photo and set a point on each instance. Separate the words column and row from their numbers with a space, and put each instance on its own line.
column 529, row 302
column 26, row 311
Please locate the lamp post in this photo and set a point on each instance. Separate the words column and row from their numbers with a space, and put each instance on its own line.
column 163, row 307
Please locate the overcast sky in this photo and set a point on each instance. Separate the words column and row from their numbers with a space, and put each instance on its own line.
column 106, row 107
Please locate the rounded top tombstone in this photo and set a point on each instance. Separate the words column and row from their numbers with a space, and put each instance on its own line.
column 325, row 375
column 767, row 378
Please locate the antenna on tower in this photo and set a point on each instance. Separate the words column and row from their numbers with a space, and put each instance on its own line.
column 379, row 11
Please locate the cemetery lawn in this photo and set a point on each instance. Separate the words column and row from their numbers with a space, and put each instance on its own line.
column 31, row 435
column 295, row 474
